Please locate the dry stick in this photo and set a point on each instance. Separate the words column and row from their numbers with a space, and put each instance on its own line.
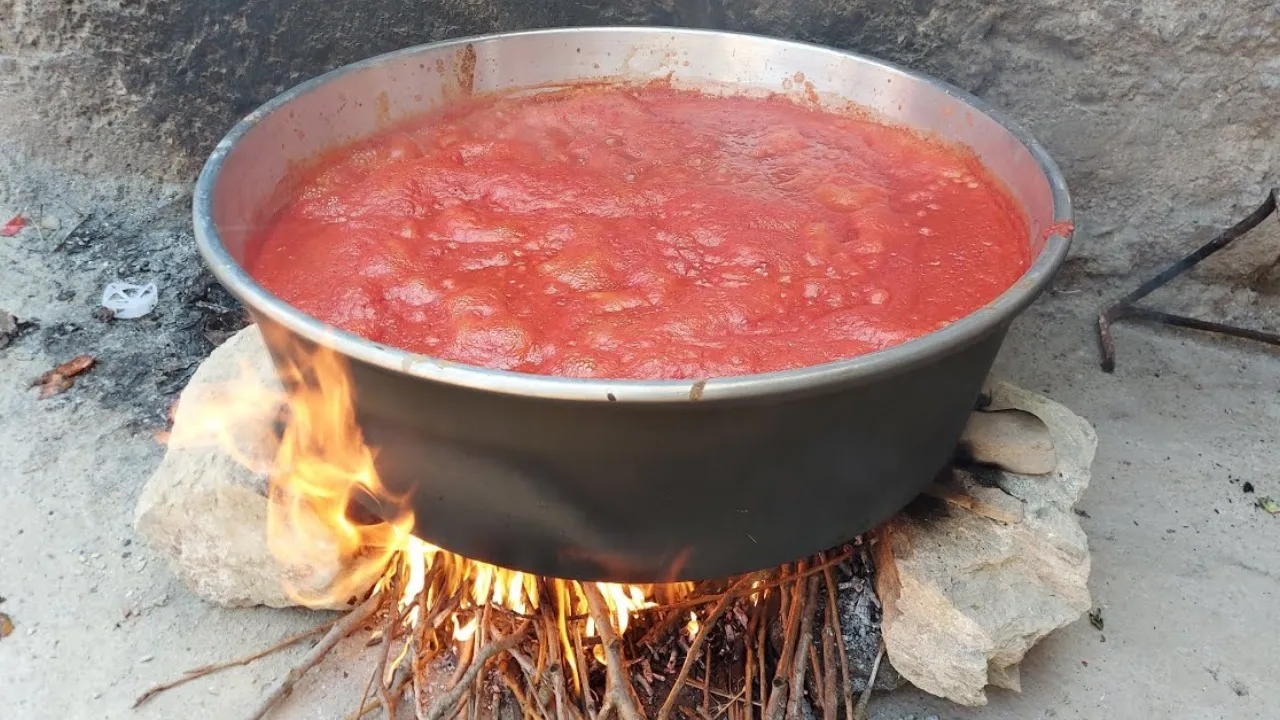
column 845, row 679
column 703, row 631
column 344, row 627
column 446, row 610
column 465, row 654
column 528, row 671
column 557, row 670
column 398, row 688
column 762, row 662
column 778, row 688
column 830, row 693
column 495, row 702
column 572, row 650
column 204, row 670
column 551, row 639
column 448, row 702
column 618, row 683
column 721, row 694
column 814, row 674
column 584, row 675
column 660, row 628
column 417, row 690
column 784, row 603
column 543, row 649
column 799, row 666
column 381, row 668
column 521, row 696
column 706, row 689
column 394, row 618
column 747, row 667
column 607, row 707
column 481, row 634
column 860, row 712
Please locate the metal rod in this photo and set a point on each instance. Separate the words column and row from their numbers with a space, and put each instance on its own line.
column 1125, row 307
column 1165, row 318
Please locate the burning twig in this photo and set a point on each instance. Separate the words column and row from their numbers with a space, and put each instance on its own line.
column 619, row 694
column 584, row 677
column 425, row 613
column 548, row 640
column 344, row 627
column 203, row 670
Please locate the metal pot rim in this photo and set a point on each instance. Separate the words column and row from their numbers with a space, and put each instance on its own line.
column 892, row 360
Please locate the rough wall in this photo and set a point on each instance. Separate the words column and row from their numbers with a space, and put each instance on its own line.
column 1162, row 113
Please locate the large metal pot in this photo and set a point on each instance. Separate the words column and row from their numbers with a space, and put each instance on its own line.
column 630, row 480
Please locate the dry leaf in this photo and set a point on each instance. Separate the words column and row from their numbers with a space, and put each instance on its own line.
column 59, row 379
column 6, row 626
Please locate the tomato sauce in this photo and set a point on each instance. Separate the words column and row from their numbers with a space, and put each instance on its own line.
column 644, row 232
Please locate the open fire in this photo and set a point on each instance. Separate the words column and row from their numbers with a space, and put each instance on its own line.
column 458, row 636
column 561, row 648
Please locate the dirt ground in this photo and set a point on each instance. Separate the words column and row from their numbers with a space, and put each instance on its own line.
column 1186, row 570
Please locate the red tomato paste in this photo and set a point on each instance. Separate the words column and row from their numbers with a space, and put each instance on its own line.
column 623, row 232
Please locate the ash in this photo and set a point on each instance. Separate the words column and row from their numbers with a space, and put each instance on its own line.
column 80, row 237
column 860, row 614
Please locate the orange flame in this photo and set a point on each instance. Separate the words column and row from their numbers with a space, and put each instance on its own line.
column 321, row 463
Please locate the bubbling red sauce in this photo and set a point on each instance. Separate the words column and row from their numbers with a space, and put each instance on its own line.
column 644, row 233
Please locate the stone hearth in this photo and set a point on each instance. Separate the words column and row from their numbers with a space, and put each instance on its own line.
column 967, row 580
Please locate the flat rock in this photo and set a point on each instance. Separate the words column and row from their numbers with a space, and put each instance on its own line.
column 1011, row 439
column 205, row 508
column 966, row 596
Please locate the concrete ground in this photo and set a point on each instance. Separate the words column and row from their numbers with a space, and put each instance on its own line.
column 1186, row 569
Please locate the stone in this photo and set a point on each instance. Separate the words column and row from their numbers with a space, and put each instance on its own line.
column 964, row 596
column 204, row 510
column 1010, row 439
